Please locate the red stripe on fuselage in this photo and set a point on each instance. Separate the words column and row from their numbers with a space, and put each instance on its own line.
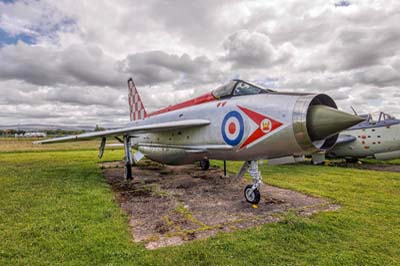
column 208, row 97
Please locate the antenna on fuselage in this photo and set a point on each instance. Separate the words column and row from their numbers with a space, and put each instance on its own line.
column 354, row 110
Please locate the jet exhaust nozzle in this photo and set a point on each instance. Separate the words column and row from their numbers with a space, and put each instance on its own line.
column 324, row 121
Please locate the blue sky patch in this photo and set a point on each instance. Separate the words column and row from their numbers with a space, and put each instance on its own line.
column 8, row 1
column 343, row 3
column 51, row 32
column 7, row 39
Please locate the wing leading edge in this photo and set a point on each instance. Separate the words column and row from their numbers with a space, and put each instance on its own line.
column 127, row 130
column 343, row 139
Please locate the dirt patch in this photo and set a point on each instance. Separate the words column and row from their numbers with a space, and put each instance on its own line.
column 368, row 166
column 170, row 205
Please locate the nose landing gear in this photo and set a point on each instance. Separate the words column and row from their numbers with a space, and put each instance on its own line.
column 251, row 192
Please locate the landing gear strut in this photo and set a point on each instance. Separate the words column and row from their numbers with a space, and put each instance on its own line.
column 251, row 192
column 205, row 164
column 128, row 158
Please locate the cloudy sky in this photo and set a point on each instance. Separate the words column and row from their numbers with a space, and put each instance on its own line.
column 67, row 62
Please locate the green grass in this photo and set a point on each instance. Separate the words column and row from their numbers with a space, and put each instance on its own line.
column 388, row 162
column 56, row 208
column 25, row 144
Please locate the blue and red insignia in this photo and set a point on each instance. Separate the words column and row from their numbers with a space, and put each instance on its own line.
column 232, row 128
column 265, row 125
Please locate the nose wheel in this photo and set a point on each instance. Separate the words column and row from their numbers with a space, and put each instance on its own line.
column 252, row 192
column 252, row 195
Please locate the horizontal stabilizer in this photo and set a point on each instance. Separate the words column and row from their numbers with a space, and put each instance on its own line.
column 128, row 130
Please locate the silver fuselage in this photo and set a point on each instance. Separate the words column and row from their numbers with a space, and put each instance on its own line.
column 291, row 138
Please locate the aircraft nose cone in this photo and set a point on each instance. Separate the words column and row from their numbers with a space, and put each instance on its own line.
column 324, row 121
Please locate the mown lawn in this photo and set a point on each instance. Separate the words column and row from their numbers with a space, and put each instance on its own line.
column 26, row 144
column 56, row 208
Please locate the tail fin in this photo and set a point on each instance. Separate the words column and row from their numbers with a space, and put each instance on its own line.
column 136, row 107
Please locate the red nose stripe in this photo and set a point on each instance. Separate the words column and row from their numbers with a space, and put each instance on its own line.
column 208, row 97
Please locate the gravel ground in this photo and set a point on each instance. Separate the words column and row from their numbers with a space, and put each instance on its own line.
column 171, row 205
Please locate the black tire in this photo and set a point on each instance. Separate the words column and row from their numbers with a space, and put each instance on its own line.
column 205, row 164
column 128, row 171
column 252, row 197
column 351, row 160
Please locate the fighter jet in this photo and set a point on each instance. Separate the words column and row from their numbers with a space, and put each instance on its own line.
column 378, row 137
column 238, row 121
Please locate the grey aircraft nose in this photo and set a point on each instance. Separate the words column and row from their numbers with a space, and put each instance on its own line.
column 324, row 121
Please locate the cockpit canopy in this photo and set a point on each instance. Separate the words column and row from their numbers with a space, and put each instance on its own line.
column 378, row 117
column 238, row 88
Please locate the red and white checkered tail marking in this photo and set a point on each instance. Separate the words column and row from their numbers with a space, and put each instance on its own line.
column 136, row 107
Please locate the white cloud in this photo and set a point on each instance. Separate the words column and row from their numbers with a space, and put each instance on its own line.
column 83, row 53
column 254, row 50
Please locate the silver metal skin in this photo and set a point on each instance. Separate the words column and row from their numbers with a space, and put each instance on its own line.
column 300, row 123
column 240, row 121
column 193, row 144
column 196, row 132
column 378, row 139
column 300, row 127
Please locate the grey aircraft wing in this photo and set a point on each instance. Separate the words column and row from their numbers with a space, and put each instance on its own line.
column 129, row 130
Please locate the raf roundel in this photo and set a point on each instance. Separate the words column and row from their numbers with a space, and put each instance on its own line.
column 232, row 128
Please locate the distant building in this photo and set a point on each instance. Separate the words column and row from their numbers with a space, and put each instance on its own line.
column 31, row 135
column 35, row 135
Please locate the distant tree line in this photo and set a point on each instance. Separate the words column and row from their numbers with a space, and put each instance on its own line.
column 98, row 128
column 49, row 132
